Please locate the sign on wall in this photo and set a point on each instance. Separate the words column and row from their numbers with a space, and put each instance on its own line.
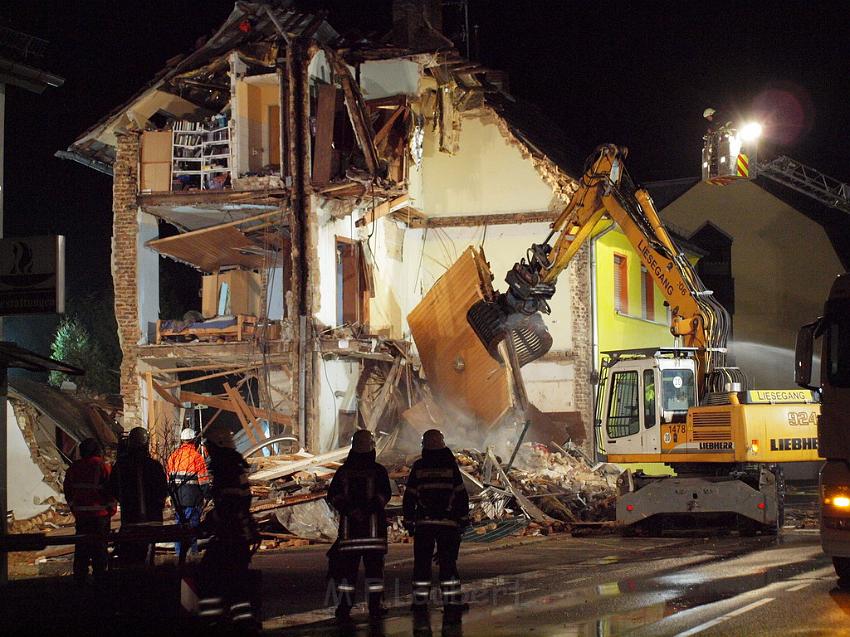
column 32, row 275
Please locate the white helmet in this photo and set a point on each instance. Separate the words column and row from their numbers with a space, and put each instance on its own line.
column 187, row 434
column 708, row 112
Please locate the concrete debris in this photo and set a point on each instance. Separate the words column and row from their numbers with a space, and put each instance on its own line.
column 545, row 492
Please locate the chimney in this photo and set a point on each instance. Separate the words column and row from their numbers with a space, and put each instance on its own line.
column 418, row 24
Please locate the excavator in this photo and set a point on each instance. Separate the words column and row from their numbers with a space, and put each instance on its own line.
column 681, row 406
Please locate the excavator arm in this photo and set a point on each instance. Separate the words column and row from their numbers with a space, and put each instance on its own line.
column 605, row 189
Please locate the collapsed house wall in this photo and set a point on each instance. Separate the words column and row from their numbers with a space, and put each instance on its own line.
column 125, row 251
column 27, row 482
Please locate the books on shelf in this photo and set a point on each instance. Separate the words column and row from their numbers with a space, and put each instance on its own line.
column 201, row 158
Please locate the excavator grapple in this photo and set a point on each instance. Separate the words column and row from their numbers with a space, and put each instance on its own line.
column 493, row 324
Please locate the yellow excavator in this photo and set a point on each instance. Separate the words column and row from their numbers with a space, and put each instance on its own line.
column 681, row 406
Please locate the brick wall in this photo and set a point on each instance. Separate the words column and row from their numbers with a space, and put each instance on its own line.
column 124, row 260
column 582, row 329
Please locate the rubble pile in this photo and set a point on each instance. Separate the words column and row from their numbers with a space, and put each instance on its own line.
column 553, row 489
column 544, row 491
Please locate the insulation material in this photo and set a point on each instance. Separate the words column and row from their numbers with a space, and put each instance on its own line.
column 457, row 366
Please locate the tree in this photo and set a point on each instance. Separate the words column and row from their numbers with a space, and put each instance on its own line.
column 74, row 345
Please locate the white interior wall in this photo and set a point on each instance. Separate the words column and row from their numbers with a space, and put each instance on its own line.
column 147, row 275
column 385, row 78
column 26, row 481
column 274, row 302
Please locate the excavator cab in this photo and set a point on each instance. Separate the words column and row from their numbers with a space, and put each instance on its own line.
column 639, row 390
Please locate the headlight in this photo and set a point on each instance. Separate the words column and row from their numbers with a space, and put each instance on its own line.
column 838, row 497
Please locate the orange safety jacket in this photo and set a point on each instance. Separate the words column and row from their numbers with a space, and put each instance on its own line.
column 187, row 474
column 85, row 488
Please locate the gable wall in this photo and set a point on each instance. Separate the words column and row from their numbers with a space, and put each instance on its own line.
column 783, row 265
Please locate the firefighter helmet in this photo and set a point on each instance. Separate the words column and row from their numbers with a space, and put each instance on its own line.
column 90, row 447
column 220, row 436
column 187, row 435
column 362, row 441
column 138, row 438
column 709, row 112
column 433, row 440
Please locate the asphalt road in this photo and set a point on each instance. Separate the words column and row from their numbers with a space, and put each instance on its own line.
column 607, row 586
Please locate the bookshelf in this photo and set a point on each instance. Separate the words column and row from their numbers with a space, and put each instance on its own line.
column 200, row 155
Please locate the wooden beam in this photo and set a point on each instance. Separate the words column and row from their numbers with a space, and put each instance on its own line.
column 220, row 403
column 248, row 420
column 288, row 468
column 383, row 398
column 238, row 222
column 159, row 389
column 356, row 113
column 197, row 379
column 387, row 127
column 323, row 144
column 382, row 210
column 195, row 368
column 484, row 220
column 200, row 197
column 243, row 419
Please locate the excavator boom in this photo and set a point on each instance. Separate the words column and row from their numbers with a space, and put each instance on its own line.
column 605, row 189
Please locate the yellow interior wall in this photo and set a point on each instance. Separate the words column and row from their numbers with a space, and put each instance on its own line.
column 252, row 121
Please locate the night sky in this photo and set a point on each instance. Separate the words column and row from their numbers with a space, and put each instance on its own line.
column 637, row 74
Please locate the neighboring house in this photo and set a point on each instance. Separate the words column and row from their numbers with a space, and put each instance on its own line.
column 317, row 188
column 629, row 309
column 770, row 257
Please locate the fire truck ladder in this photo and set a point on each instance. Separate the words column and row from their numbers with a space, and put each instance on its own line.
column 823, row 188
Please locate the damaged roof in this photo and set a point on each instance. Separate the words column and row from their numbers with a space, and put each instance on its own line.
column 249, row 23
column 537, row 132
column 74, row 416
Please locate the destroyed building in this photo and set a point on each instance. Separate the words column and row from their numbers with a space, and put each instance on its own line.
column 316, row 189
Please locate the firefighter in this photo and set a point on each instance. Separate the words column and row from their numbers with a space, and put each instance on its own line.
column 436, row 511
column 138, row 483
column 86, row 492
column 225, row 584
column 359, row 491
column 188, row 481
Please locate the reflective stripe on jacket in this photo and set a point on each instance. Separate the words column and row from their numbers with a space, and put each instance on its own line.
column 360, row 490
column 188, row 476
column 85, row 488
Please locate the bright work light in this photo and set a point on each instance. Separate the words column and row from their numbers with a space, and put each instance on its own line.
column 750, row 131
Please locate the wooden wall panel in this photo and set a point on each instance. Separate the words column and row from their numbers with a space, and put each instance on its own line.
column 456, row 364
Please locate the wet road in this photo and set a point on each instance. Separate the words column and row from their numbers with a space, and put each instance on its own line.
column 623, row 586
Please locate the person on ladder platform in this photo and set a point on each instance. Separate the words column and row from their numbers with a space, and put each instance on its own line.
column 86, row 493
column 188, row 481
column 436, row 511
column 359, row 491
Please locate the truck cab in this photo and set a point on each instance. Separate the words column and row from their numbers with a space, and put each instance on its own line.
column 833, row 331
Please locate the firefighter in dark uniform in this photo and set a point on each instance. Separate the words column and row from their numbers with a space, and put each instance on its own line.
column 359, row 491
column 436, row 511
column 139, row 484
column 225, row 577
